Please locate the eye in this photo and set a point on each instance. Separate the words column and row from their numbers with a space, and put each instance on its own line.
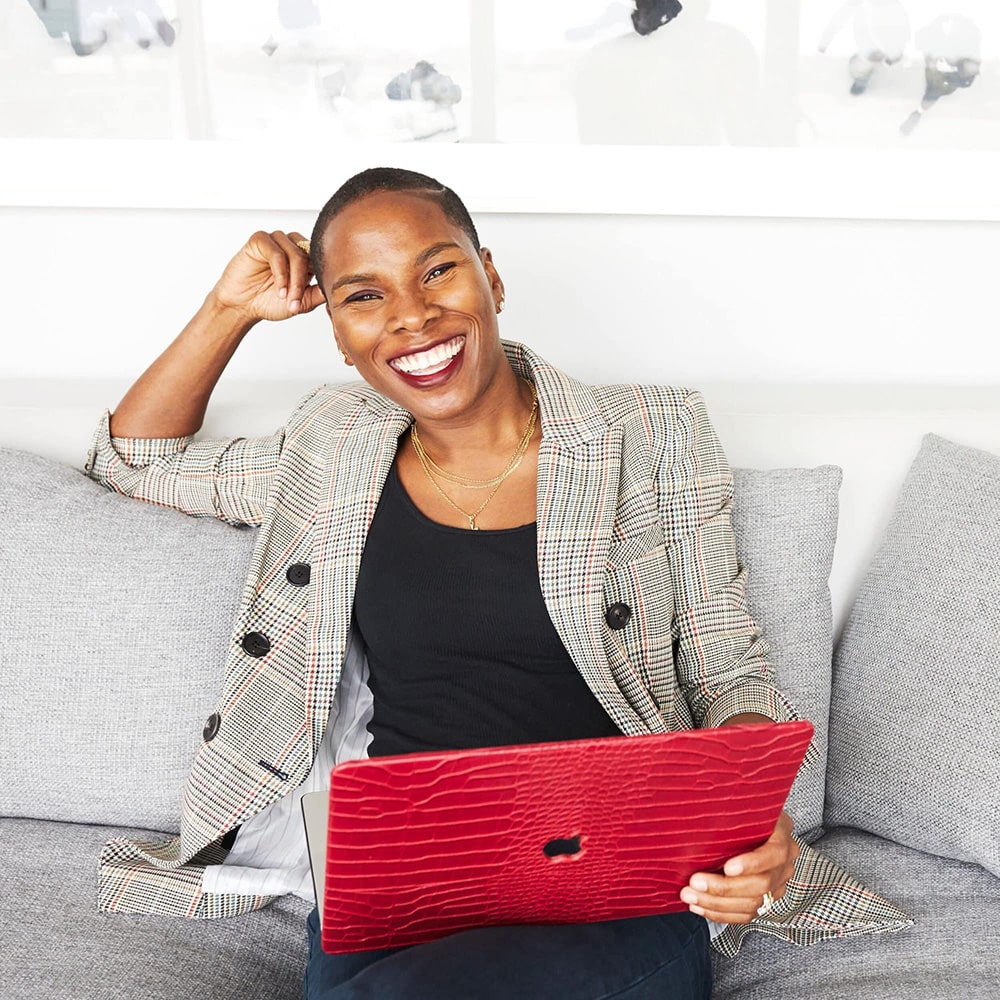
column 361, row 297
column 439, row 269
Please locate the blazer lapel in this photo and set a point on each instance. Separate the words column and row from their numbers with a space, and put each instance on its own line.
column 357, row 465
column 579, row 465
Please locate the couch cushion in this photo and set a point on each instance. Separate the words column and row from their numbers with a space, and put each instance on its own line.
column 913, row 754
column 116, row 618
column 785, row 522
column 56, row 944
column 952, row 951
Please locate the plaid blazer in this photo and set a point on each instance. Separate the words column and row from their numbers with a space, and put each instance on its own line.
column 634, row 495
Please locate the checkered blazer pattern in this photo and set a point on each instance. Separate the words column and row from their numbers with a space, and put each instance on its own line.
column 634, row 495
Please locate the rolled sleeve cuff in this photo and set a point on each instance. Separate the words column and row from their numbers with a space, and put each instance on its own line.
column 760, row 698
column 106, row 450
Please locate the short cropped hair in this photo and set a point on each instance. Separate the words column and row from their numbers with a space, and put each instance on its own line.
column 388, row 179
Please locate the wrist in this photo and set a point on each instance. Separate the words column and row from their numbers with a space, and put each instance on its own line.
column 226, row 319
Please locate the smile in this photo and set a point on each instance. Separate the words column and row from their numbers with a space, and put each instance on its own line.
column 431, row 361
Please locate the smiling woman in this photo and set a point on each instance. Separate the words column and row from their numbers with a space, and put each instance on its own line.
column 597, row 594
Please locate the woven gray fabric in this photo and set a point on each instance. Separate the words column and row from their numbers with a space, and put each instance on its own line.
column 56, row 945
column 951, row 953
column 785, row 522
column 915, row 672
column 99, row 723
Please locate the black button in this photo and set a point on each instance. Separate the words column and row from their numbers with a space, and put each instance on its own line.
column 618, row 615
column 256, row 644
column 298, row 574
column 212, row 724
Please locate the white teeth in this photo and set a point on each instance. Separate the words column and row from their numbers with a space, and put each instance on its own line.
column 428, row 362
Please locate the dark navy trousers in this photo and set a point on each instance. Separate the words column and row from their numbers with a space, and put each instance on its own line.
column 666, row 957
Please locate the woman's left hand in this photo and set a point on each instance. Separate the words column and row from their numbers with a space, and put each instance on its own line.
column 733, row 898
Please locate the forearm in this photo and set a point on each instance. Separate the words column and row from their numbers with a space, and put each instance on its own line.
column 170, row 398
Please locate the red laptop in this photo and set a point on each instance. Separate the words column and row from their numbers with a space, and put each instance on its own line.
column 421, row 845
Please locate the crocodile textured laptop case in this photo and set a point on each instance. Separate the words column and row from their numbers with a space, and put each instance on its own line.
column 423, row 845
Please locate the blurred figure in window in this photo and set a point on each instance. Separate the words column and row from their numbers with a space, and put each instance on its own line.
column 693, row 82
column 952, row 47
column 84, row 22
column 652, row 14
column 881, row 31
column 295, row 17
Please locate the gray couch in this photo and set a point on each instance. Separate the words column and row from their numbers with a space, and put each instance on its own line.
column 116, row 618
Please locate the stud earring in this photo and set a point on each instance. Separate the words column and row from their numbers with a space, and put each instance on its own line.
column 500, row 306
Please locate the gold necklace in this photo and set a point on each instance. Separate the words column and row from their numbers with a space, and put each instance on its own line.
column 511, row 466
column 481, row 484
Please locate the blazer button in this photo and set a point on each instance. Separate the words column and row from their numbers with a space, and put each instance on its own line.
column 256, row 644
column 618, row 615
column 212, row 724
column 298, row 574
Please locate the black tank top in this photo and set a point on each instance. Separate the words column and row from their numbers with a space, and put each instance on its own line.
column 461, row 650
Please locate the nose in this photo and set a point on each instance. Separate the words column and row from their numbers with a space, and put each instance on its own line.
column 412, row 309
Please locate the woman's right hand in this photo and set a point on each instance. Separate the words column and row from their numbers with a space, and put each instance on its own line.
column 270, row 278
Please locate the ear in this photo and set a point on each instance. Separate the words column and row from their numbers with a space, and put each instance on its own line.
column 496, row 282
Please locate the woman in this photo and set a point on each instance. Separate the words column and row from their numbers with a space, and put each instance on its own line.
column 466, row 473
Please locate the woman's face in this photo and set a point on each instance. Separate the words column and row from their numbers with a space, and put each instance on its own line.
column 413, row 305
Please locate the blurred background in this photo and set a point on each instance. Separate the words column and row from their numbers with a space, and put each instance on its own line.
column 841, row 73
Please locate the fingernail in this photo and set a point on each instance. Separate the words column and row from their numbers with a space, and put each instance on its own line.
column 734, row 869
column 282, row 292
column 293, row 306
column 688, row 895
column 698, row 910
column 699, row 883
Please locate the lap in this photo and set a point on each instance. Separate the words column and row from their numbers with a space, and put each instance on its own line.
column 663, row 956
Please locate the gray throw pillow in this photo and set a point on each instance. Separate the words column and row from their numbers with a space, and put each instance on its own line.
column 785, row 522
column 915, row 750
column 116, row 620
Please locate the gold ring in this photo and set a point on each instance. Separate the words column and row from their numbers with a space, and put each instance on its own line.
column 766, row 906
column 304, row 245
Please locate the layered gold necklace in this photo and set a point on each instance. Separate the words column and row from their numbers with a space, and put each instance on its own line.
column 433, row 471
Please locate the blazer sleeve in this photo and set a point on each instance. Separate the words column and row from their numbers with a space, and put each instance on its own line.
column 229, row 479
column 720, row 655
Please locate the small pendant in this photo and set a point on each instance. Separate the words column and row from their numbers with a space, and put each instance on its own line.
column 472, row 524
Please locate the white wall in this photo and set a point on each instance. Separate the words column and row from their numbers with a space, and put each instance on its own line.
column 92, row 293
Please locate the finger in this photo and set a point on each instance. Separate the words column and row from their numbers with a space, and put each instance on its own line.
column 724, row 918
column 771, row 854
column 737, row 896
column 300, row 269
column 312, row 297
column 731, row 907
column 728, row 914
column 745, row 897
column 264, row 247
column 296, row 237
column 702, row 884
column 768, row 856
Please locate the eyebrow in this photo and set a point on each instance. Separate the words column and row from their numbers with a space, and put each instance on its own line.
column 434, row 249
column 421, row 258
column 351, row 279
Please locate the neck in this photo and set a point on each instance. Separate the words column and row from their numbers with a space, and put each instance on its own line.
column 480, row 439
